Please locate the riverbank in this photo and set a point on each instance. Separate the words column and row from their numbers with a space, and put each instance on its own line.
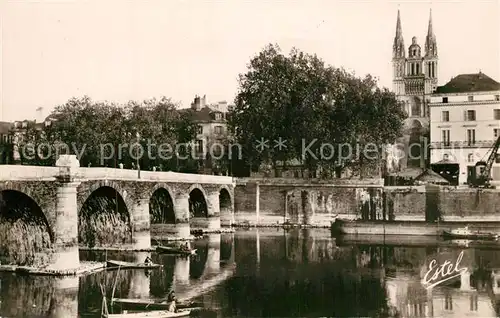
column 85, row 268
column 411, row 228
column 202, row 231
column 248, row 224
column 412, row 241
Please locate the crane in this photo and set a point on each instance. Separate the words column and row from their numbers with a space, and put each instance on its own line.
column 482, row 173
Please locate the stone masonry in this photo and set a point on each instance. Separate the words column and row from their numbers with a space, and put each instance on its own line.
column 60, row 192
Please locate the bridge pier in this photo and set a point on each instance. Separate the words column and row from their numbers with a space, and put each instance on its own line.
column 213, row 211
column 181, row 229
column 181, row 270
column 65, row 230
column 139, row 284
column 65, row 299
column 141, row 234
column 213, row 257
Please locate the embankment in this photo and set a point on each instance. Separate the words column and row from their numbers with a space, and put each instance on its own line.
column 274, row 202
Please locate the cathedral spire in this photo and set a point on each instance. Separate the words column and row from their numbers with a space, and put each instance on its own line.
column 430, row 39
column 430, row 33
column 399, row 30
column 398, row 48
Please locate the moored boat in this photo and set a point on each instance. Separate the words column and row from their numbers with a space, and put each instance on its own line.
column 466, row 233
column 150, row 303
column 129, row 265
column 151, row 314
column 174, row 250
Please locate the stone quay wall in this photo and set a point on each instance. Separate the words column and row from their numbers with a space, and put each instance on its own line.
column 274, row 202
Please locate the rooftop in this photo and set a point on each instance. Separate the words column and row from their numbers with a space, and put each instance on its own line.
column 5, row 127
column 464, row 83
column 204, row 114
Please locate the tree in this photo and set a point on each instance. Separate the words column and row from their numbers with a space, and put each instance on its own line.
column 301, row 100
column 103, row 133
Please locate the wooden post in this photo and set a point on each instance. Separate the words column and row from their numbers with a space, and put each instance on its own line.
column 257, row 204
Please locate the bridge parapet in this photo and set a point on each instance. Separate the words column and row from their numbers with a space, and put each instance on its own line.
column 32, row 173
column 40, row 173
column 159, row 176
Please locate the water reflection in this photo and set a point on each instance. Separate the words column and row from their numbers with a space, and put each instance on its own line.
column 279, row 273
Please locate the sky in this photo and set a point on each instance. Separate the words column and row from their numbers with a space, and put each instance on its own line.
column 134, row 50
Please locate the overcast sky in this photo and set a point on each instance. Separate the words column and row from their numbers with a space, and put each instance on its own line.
column 122, row 50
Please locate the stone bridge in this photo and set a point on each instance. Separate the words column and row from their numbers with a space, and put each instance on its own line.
column 67, row 206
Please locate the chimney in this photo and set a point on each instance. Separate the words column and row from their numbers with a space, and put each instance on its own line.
column 196, row 103
column 39, row 115
column 204, row 101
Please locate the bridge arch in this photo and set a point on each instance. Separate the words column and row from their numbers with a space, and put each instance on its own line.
column 162, row 205
column 226, row 206
column 198, row 202
column 225, row 198
column 103, row 218
column 24, row 228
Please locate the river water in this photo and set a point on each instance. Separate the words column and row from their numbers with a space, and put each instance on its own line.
column 280, row 273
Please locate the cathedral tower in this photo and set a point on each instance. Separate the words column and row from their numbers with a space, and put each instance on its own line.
column 415, row 77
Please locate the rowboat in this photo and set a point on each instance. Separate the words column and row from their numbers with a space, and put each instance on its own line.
column 465, row 233
column 151, row 314
column 128, row 265
column 174, row 250
column 149, row 303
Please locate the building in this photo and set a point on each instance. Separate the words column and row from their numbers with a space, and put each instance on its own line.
column 415, row 77
column 6, row 143
column 464, row 124
column 212, row 131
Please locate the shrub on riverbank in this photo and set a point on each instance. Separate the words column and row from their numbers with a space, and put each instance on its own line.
column 23, row 243
column 104, row 229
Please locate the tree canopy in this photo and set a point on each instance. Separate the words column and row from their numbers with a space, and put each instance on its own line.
column 319, row 111
column 107, row 134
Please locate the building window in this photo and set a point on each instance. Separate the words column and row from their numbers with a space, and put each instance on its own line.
column 218, row 130
column 471, row 98
column 446, row 115
column 5, row 138
column 471, row 137
column 199, row 146
column 218, row 116
column 200, row 130
column 496, row 114
column 496, row 131
column 497, row 98
column 470, row 115
column 497, row 158
column 445, row 99
column 470, row 157
column 446, row 137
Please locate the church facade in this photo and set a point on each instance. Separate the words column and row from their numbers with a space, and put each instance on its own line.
column 415, row 78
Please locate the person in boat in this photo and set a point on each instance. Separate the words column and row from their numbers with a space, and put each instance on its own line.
column 148, row 260
column 185, row 247
column 172, row 300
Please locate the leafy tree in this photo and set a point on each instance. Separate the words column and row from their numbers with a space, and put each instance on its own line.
column 103, row 133
column 320, row 111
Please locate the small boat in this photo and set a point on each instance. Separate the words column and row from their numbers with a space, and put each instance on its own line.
column 151, row 314
column 128, row 265
column 465, row 233
column 174, row 250
column 150, row 303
